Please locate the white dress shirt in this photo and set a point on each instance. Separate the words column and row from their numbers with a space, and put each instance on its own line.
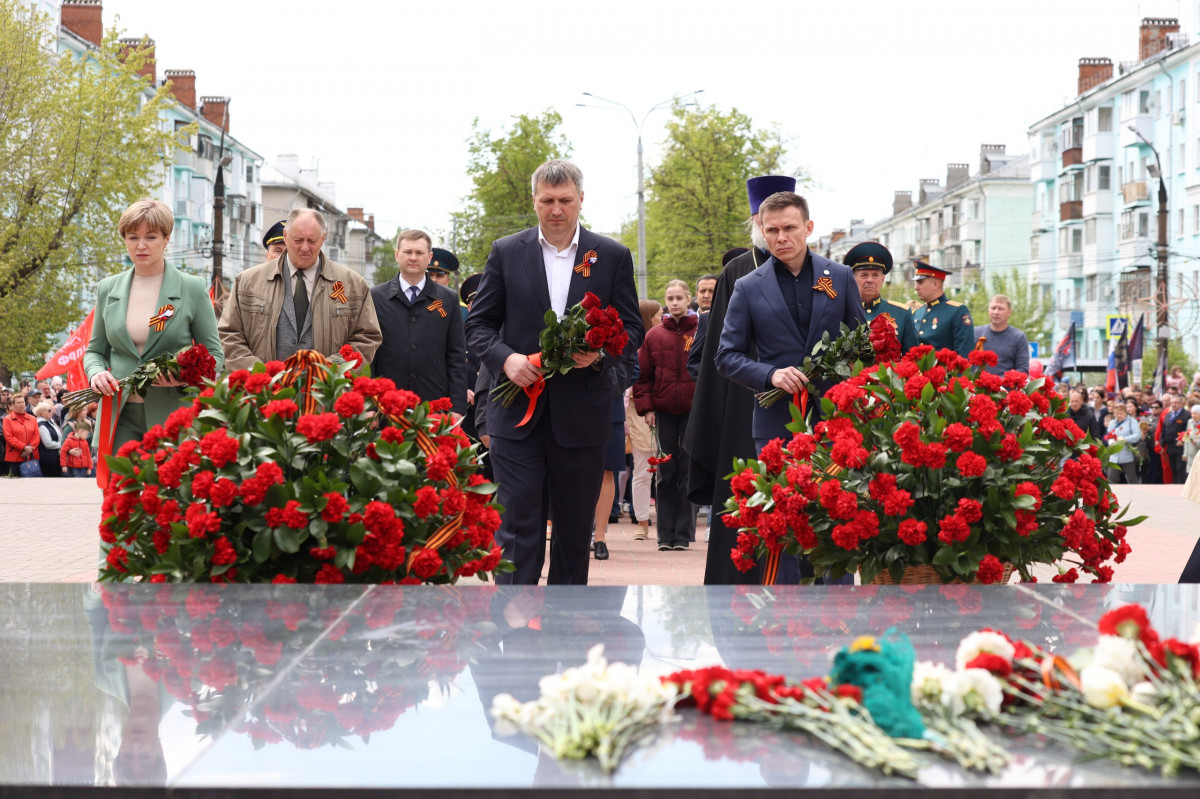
column 406, row 287
column 559, row 266
column 309, row 275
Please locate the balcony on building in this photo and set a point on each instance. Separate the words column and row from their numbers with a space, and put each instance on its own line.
column 1143, row 123
column 1136, row 289
column 1071, row 143
column 1072, row 209
column 972, row 230
column 1070, row 266
column 1097, row 202
column 1136, row 192
column 1099, row 147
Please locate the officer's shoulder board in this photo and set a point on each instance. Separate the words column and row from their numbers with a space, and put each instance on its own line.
column 899, row 305
column 954, row 303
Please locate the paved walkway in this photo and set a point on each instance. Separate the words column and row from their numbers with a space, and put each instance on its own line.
column 48, row 534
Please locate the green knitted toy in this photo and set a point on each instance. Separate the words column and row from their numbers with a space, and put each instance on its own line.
column 882, row 668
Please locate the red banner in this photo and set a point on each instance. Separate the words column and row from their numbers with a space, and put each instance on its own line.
column 69, row 358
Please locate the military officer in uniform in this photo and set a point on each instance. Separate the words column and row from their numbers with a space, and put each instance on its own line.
column 273, row 240
column 441, row 265
column 423, row 349
column 941, row 323
column 871, row 262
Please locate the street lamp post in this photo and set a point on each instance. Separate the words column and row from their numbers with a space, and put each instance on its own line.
column 641, row 187
column 219, row 209
column 1163, row 285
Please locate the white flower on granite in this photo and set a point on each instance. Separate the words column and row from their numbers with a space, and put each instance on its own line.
column 929, row 683
column 973, row 691
column 1120, row 655
column 1102, row 687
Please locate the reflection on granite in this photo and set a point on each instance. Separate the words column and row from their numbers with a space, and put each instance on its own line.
column 386, row 687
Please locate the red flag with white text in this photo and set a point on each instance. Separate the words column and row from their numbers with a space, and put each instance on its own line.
column 69, row 358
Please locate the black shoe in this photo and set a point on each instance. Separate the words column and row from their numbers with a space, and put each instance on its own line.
column 614, row 518
column 601, row 550
column 664, row 547
column 679, row 547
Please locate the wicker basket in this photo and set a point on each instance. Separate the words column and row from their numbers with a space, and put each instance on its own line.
column 924, row 574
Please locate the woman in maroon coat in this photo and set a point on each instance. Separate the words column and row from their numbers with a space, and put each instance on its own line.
column 663, row 396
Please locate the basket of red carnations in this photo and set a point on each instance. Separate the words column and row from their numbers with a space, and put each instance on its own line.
column 928, row 462
column 305, row 471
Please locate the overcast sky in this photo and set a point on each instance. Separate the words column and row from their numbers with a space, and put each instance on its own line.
column 873, row 94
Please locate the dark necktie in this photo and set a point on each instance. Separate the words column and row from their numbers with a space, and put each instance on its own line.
column 300, row 300
column 412, row 295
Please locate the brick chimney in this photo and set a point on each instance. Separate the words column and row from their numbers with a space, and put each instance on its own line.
column 355, row 213
column 149, row 69
column 1093, row 72
column 956, row 175
column 1152, row 36
column 836, row 236
column 902, row 201
column 930, row 187
column 216, row 111
column 84, row 19
column 986, row 151
column 183, row 86
column 370, row 222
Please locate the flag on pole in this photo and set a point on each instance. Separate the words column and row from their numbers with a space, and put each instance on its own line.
column 69, row 358
column 1136, row 345
column 1064, row 354
column 1118, row 359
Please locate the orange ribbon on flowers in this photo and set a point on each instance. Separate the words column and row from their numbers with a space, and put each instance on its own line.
column 339, row 292
column 1055, row 663
column 825, row 284
column 109, row 412
column 771, row 568
column 160, row 319
column 589, row 258
column 302, row 363
column 534, row 389
column 436, row 305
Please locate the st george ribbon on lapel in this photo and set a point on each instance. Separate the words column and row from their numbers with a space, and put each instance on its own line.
column 160, row 319
column 589, row 260
column 436, row 305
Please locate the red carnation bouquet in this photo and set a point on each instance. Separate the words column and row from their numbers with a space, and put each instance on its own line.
column 585, row 327
column 929, row 460
column 193, row 366
column 307, row 472
column 837, row 358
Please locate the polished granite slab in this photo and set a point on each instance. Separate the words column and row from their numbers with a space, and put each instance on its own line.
column 329, row 690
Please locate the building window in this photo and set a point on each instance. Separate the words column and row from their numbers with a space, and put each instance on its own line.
column 1158, row 105
column 1034, row 247
column 1196, row 219
column 1104, row 121
column 1179, row 225
column 1182, row 157
column 1089, row 231
column 249, row 172
column 1182, row 92
column 1090, row 287
column 1104, row 177
column 1143, row 225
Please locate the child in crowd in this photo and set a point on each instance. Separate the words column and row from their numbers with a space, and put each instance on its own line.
column 77, row 455
column 663, row 396
column 641, row 439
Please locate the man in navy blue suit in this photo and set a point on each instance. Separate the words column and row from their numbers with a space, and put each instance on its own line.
column 556, row 460
column 781, row 309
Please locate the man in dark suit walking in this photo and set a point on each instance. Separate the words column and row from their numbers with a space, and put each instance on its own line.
column 423, row 348
column 781, row 310
column 557, row 458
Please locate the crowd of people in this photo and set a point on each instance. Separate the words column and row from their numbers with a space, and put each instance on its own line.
column 666, row 417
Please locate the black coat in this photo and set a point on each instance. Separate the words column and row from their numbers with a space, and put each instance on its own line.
column 423, row 347
column 508, row 315
column 719, row 430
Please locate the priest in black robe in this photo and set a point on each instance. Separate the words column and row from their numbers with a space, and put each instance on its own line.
column 719, row 428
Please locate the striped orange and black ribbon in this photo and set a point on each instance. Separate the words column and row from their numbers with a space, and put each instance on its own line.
column 446, row 531
column 339, row 292
column 303, row 363
column 585, row 268
column 436, row 305
column 160, row 319
column 825, row 284
column 771, row 568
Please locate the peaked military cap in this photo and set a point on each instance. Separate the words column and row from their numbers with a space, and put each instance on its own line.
column 443, row 261
column 925, row 270
column 869, row 255
column 274, row 233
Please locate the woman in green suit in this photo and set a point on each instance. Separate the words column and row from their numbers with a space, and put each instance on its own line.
column 150, row 310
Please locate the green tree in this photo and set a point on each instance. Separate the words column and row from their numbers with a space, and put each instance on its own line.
column 1176, row 356
column 80, row 137
column 501, row 200
column 386, row 252
column 696, row 195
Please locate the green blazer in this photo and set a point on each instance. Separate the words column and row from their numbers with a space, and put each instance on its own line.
column 111, row 347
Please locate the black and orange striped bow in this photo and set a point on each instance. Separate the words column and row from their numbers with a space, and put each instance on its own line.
column 339, row 292
column 160, row 319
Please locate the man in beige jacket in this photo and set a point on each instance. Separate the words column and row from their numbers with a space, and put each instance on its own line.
column 300, row 301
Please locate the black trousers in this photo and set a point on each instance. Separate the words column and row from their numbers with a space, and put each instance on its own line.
column 532, row 473
column 1191, row 571
column 676, row 514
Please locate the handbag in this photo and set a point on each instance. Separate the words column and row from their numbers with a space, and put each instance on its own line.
column 31, row 469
